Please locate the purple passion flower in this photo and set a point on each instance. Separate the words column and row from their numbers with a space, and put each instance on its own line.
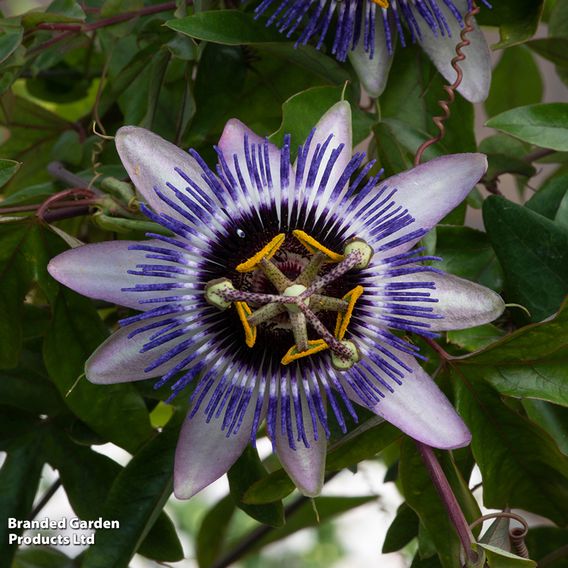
column 367, row 30
column 284, row 290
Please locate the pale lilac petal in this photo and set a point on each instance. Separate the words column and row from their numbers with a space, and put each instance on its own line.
column 431, row 190
column 477, row 65
column 118, row 359
column 305, row 466
column 420, row 409
column 204, row 452
column 151, row 163
column 373, row 73
column 100, row 271
column 461, row 303
column 335, row 126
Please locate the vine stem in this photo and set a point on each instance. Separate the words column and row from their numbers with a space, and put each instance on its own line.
column 71, row 29
column 451, row 504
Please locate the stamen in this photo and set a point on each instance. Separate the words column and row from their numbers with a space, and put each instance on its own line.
column 244, row 312
column 343, row 319
column 381, row 3
column 314, row 246
column 267, row 252
column 314, row 346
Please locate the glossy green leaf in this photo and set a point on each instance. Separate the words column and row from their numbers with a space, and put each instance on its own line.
column 301, row 112
column 475, row 338
column 552, row 418
column 546, row 201
column 497, row 558
column 11, row 35
column 136, row 499
column 468, row 253
column 229, row 27
column 516, row 82
column 247, row 470
column 517, row 20
column 545, row 125
column 402, row 530
column 544, row 541
column 520, row 464
column 533, row 252
column 553, row 48
column 529, row 362
column 7, row 169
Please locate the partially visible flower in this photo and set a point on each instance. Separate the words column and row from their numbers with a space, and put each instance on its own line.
column 366, row 31
column 275, row 293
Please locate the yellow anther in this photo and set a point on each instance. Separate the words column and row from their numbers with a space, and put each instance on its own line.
column 267, row 252
column 314, row 246
column 244, row 312
column 315, row 346
column 381, row 3
column 343, row 319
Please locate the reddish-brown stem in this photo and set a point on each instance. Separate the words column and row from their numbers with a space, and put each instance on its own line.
column 75, row 192
column 449, row 500
column 71, row 29
column 35, row 206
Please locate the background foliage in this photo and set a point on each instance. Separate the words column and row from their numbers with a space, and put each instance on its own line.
column 182, row 70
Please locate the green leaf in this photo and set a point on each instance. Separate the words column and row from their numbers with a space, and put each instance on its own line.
column 546, row 201
column 497, row 558
column 553, row 48
column 116, row 412
column 44, row 557
column 552, row 418
column 301, row 112
column 530, row 362
column 516, row 82
column 247, row 470
column 11, row 35
column 475, row 338
column 32, row 133
column 136, row 499
column 19, row 480
column 468, row 253
column 229, row 27
column 213, row 530
column 533, row 252
column 517, row 20
column 7, row 169
column 545, row 125
column 402, row 530
column 520, row 464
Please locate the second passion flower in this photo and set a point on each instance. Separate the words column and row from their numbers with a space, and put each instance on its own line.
column 284, row 289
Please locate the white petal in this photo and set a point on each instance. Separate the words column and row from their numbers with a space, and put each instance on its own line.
column 373, row 73
column 151, row 161
column 118, row 359
column 336, row 122
column 430, row 191
column 462, row 303
column 204, row 452
column 100, row 271
column 306, row 466
column 420, row 409
column 477, row 65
